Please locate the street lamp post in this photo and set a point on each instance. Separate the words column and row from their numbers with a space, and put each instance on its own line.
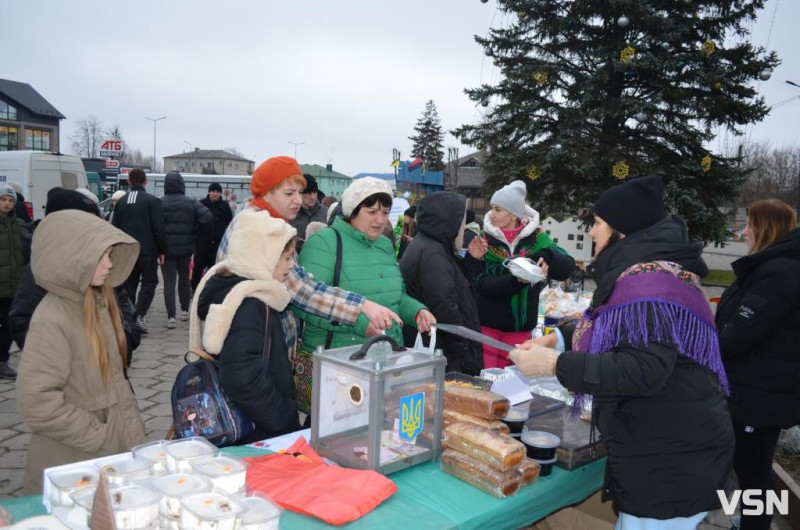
column 189, row 158
column 295, row 144
column 155, row 120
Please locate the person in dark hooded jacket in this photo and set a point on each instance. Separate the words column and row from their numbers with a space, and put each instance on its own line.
column 758, row 318
column 208, row 236
column 181, row 215
column 435, row 275
column 29, row 293
column 648, row 352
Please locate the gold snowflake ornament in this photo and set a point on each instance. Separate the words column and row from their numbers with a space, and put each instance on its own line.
column 540, row 77
column 627, row 54
column 706, row 163
column 533, row 173
column 708, row 48
column 620, row 170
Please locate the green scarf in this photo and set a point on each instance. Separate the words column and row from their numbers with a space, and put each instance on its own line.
column 497, row 254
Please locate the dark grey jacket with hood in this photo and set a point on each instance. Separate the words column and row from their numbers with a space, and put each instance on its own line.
column 436, row 276
column 181, row 215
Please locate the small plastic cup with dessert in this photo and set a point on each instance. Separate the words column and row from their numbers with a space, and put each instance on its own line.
column 226, row 473
column 181, row 452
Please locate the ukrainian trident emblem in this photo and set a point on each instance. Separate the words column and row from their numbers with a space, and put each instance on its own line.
column 412, row 419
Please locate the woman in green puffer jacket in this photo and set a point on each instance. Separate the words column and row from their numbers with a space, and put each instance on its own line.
column 368, row 268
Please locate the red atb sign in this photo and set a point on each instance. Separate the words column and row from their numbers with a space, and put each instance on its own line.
column 112, row 164
column 111, row 148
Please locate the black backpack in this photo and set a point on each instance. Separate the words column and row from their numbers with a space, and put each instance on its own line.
column 201, row 408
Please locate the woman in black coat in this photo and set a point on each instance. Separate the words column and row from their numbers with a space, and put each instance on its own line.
column 758, row 318
column 647, row 351
column 435, row 275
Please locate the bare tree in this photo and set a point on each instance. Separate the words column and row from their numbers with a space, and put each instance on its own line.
column 115, row 133
column 88, row 136
column 773, row 173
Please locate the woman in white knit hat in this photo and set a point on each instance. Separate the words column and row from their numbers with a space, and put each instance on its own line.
column 509, row 306
column 368, row 267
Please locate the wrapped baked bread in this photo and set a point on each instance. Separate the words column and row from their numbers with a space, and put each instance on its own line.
column 529, row 471
column 476, row 402
column 496, row 483
column 500, row 451
column 450, row 416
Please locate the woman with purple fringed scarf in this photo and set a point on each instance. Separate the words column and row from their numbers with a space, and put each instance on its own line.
column 758, row 319
column 647, row 351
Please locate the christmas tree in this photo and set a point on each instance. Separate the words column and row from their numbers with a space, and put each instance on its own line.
column 595, row 91
column 428, row 140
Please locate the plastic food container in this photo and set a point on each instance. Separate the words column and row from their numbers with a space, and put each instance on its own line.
column 153, row 452
column 577, row 447
column 180, row 453
column 71, row 482
column 260, row 513
column 82, row 512
column 542, row 404
column 226, row 473
column 124, row 471
column 525, row 269
column 495, row 374
column 134, row 507
column 546, row 466
column 540, row 445
column 459, row 379
column 173, row 487
column 209, row 511
column 515, row 419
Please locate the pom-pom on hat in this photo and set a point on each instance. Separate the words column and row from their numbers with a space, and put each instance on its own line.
column 511, row 198
column 7, row 191
column 360, row 189
column 632, row 206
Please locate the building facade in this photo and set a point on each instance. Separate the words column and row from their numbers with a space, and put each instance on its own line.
column 27, row 120
column 572, row 237
column 465, row 176
column 209, row 162
column 330, row 182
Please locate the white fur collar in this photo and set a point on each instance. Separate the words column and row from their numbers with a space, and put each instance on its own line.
column 533, row 223
column 210, row 335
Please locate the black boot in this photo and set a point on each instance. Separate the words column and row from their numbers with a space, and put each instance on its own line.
column 6, row 372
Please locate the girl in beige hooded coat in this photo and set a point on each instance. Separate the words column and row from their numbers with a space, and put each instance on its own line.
column 71, row 389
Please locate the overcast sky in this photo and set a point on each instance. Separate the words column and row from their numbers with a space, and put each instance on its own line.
column 347, row 78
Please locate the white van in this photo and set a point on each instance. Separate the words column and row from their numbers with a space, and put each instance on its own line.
column 37, row 172
column 235, row 188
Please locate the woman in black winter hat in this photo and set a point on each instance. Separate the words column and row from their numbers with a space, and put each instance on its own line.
column 648, row 353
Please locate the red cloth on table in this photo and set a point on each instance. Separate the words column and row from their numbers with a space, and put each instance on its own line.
column 336, row 495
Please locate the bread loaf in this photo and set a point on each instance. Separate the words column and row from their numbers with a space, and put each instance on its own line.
column 529, row 471
column 496, row 483
column 476, row 402
column 450, row 416
column 500, row 451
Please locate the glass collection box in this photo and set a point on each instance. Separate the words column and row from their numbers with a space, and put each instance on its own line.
column 378, row 405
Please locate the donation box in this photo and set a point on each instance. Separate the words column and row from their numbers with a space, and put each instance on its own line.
column 377, row 405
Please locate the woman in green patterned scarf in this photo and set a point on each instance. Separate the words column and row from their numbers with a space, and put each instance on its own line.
column 509, row 306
